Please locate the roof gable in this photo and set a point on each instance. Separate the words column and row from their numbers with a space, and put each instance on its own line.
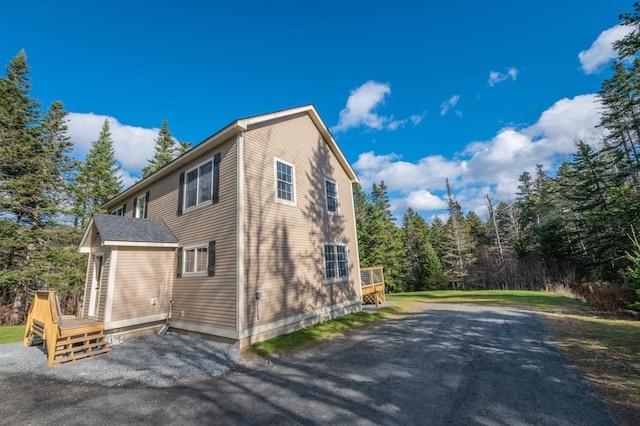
column 222, row 135
column 128, row 231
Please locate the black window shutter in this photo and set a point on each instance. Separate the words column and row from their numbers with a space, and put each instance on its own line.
column 181, row 194
column 212, row 258
column 216, row 179
column 146, row 204
column 124, row 209
column 179, row 265
column 135, row 205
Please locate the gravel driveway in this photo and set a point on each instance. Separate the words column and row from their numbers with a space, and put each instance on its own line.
column 448, row 365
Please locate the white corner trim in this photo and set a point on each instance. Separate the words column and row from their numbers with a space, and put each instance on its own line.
column 111, row 284
column 240, row 233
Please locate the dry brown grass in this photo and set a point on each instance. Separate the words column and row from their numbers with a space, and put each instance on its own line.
column 607, row 353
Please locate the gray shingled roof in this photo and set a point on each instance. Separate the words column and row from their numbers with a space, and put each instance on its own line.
column 122, row 228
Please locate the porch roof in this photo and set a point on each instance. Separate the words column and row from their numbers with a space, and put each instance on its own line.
column 128, row 231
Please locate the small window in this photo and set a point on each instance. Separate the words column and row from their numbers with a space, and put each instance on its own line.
column 118, row 211
column 140, row 206
column 331, row 193
column 285, row 182
column 195, row 260
column 336, row 266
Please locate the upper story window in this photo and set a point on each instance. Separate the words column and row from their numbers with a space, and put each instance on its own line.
column 141, row 205
column 331, row 194
column 285, row 182
column 119, row 211
column 199, row 185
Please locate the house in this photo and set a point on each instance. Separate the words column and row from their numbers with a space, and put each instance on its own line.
column 251, row 234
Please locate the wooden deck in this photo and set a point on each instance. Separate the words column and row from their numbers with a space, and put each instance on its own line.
column 65, row 339
column 372, row 280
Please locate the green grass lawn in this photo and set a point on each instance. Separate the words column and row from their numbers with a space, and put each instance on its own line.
column 11, row 334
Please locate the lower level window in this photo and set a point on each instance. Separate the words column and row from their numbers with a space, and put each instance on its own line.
column 195, row 260
column 336, row 267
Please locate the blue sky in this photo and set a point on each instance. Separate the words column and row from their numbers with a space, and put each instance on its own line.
column 413, row 91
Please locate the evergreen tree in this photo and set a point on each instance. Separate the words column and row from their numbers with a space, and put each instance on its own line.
column 182, row 148
column 20, row 151
column 380, row 241
column 56, row 173
column 424, row 270
column 99, row 173
column 163, row 152
column 458, row 255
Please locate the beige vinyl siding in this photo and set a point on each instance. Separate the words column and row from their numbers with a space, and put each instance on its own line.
column 141, row 275
column 207, row 301
column 283, row 243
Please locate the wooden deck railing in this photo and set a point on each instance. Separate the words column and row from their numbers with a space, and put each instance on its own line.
column 372, row 280
column 76, row 339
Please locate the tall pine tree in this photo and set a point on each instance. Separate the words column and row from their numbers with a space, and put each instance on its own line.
column 164, row 151
column 98, row 179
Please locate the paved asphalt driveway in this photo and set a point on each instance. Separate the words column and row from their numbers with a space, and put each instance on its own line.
column 449, row 365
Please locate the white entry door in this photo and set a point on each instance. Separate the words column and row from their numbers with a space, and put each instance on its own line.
column 94, row 298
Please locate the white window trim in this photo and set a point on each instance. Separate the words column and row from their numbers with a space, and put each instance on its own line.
column 324, row 263
column 326, row 198
column 115, row 212
column 142, row 197
column 293, row 202
column 184, row 187
column 184, row 261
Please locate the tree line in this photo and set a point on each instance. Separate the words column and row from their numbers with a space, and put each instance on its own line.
column 47, row 197
column 578, row 229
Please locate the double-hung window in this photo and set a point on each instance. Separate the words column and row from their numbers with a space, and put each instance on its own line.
column 199, row 185
column 336, row 266
column 331, row 195
column 197, row 260
column 140, row 205
column 285, row 182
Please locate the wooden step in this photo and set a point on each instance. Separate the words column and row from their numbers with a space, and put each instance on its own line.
column 76, row 347
column 85, row 346
column 76, row 356
column 79, row 338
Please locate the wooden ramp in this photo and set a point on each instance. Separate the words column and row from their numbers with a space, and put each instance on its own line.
column 372, row 280
column 65, row 340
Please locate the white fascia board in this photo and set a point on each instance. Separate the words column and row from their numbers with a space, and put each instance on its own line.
column 138, row 244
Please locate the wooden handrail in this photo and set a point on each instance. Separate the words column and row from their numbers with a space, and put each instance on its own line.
column 44, row 321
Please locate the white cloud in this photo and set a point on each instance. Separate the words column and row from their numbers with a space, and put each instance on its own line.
column 361, row 110
column 133, row 145
column 402, row 176
column 423, row 200
column 496, row 77
column 601, row 51
column 361, row 105
column 487, row 167
column 450, row 103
